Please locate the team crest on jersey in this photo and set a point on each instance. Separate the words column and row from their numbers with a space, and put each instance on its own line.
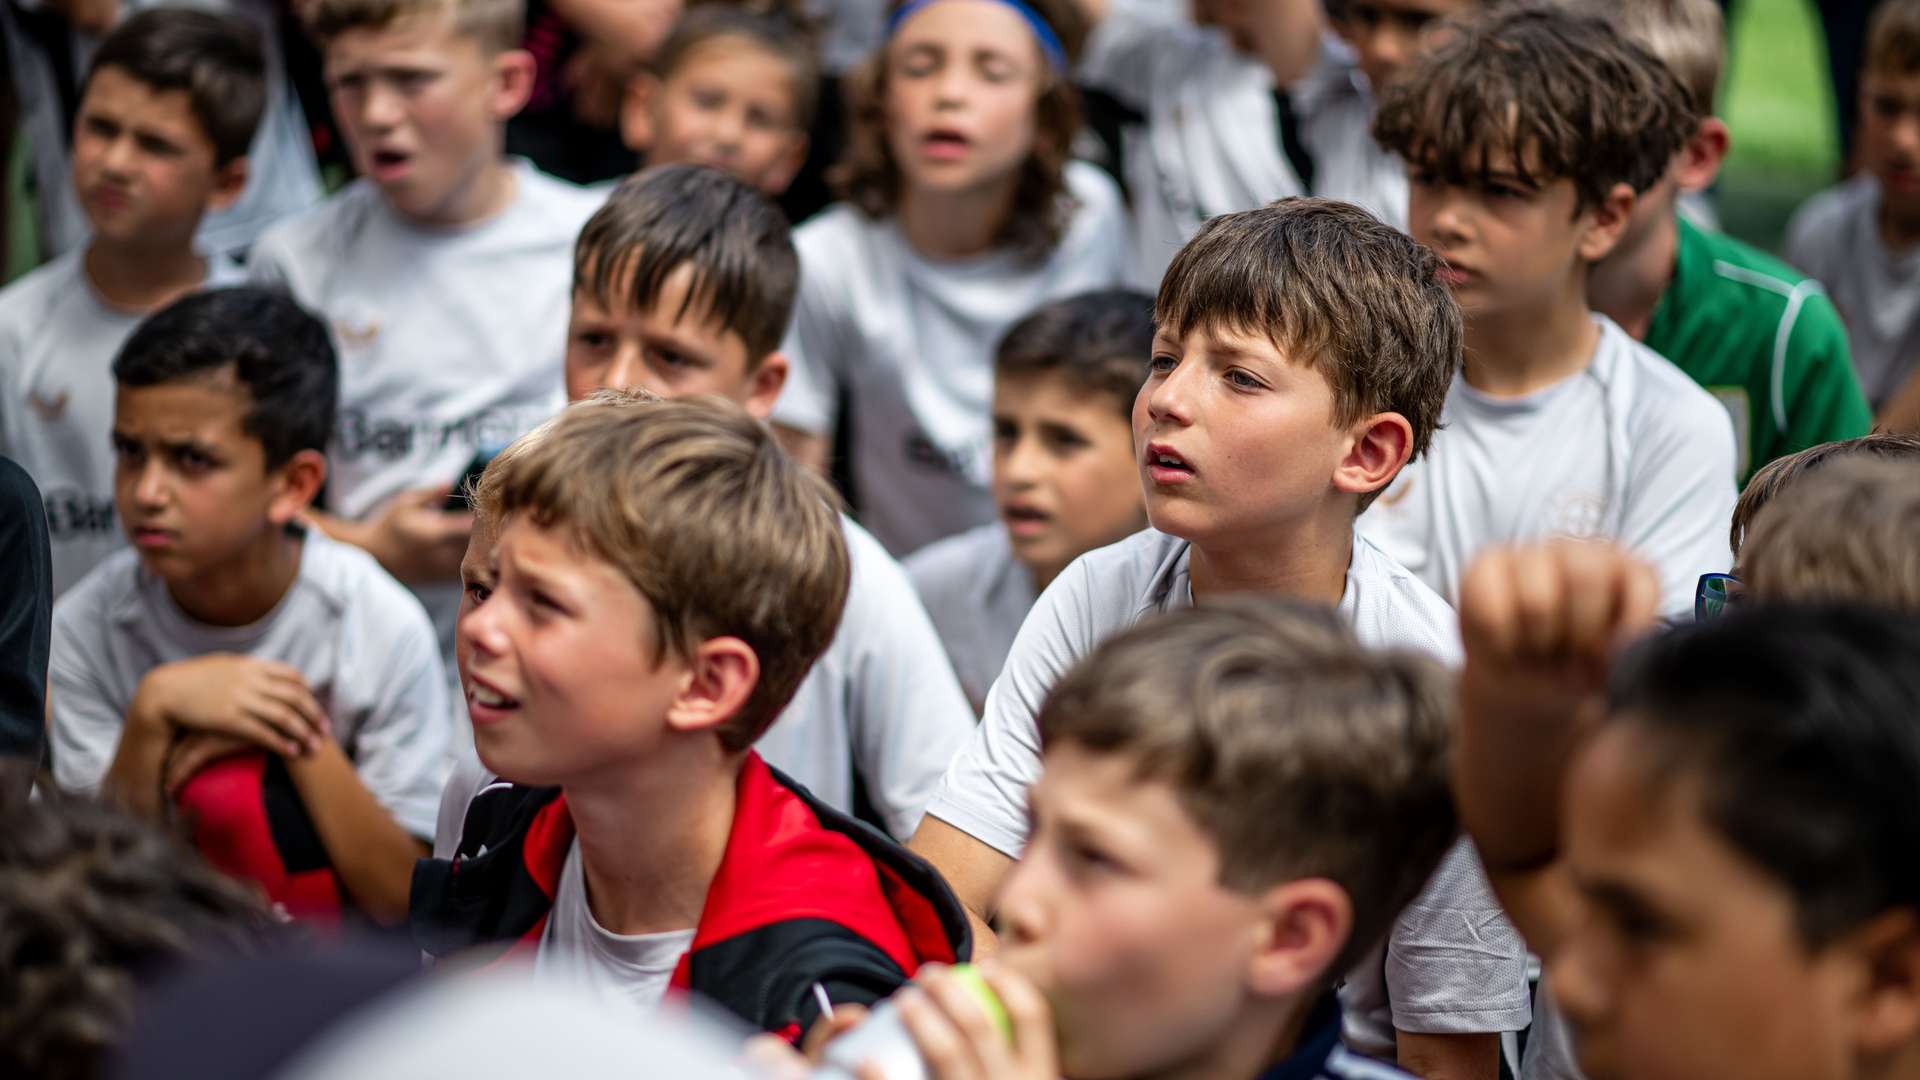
column 49, row 409
column 356, row 337
column 1578, row 514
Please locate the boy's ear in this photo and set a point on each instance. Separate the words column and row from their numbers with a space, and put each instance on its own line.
column 298, row 485
column 513, row 73
column 1381, row 444
column 1888, row 1013
column 763, row 389
column 1700, row 160
column 636, row 111
column 1304, row 925
column 229, row 181
column 1607, row 220
column 721, row 675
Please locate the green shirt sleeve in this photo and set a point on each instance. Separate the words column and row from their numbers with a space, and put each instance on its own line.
column 1816, row 387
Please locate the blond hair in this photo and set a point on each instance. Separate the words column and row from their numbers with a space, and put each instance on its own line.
column 496, row 25
column 1851, row 534
column 696, row 505
column 1893, row 38
column 1300, row 752
column 1689, row 36
column 1781, row 473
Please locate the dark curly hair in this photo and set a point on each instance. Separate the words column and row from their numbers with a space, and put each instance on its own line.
column 91, row 901
column 868, row 177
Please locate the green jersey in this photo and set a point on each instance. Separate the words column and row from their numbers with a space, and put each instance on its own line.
column 1764, row 340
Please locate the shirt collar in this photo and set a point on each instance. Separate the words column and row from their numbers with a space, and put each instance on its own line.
column 1318, row 1040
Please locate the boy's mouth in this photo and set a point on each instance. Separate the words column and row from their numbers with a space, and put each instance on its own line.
column 1024, row 520
column 485, row 703
column 152, row 538
column 1164, row 465
column 389, row 164
column 946, row 144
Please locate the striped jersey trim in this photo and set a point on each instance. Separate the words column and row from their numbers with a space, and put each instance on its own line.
column 1796, row 296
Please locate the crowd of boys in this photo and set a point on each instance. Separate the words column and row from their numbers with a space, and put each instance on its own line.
column 1371, row 583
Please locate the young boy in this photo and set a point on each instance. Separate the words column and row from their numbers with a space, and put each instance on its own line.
column 1762, row 339
column 1190, row 896
column 1859, row 239
column 1851, row 534
column 1787, row 472
column 159, row 138
column 732, row 88
column 684, row 282
column 442, row 272
column 1301, row 358
column 664, row 577
column 1710, row 846
column 1527, row 132
column 1064, row 477
column 1264, row 105
column 229, row 629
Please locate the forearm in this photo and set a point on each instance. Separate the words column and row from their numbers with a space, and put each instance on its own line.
column 1450, row 1057
column 1508, row 764
column 972, row 869
column 133, row 779
column 372, row 854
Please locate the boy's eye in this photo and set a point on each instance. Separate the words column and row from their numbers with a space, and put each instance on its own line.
column 594, row 339
column 995, row 68
column 1161, row 363
column 1243, row 380
column 101, row 127
column 157, row 147
column 1065, row 440
column 192, row 461
column 919, row 61
column 477, row 592
column 1005, row 430
column 127, row 450
column 670, row 359
column 708, row 100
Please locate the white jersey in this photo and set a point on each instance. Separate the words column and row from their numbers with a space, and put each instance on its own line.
column 909, row 342
column 58, row 338
column 1453, row 963
column 1835, row 238
column 282, row 175
column 361, row 641
column 881, row 700
column 1630, row 449
column 452, row 340
column 978, row 595
column 1211, row 141
column 630, row 971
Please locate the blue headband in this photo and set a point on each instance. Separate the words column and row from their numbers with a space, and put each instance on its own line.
column 1049, row 41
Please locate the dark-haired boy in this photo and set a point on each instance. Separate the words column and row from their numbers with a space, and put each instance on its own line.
column 1527, row 132
column 1301, row 358
column 1861, row 237
column 229, row 629
column 160, row 137
column 732, row 88
column 1764, row 340
column 683, row 284
column 442, row 272
column 1064, row 479
column 1238, row 799
column 663, row 579
column 1709, row 839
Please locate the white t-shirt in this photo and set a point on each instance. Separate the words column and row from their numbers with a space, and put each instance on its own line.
column 58, row 339
column 358, row 637
column 1835, row 237
column 282, row 175
column 630, row 970
column 978, row 595
column 1211, row 142
column 451, row 340
column 1630, row 449
column 1452, row 964
column 909, row 341
column 882, row 699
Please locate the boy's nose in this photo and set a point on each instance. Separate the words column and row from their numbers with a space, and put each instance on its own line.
column 1168, row 400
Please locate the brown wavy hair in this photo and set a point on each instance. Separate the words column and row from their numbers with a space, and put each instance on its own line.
column 869, row 178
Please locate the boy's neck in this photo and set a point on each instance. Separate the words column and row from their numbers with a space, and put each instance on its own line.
column 1627, row 286
column 1528, row 348
column 243, row 589
column 142, row 278
column 1263, row 1037
column 955, row 224
column 651, row 840
column 1899, row 224
column 484, row 196
column 1310, row 565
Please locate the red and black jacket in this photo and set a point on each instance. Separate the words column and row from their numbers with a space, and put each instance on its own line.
column 804, row 895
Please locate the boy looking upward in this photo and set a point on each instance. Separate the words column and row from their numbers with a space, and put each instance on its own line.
column 442, row 271
column 1761, row 338
column 1238, row 798
column 159, row 138
column 1527, row 132
column 1301, row 355
column 229, row 629
column 664, row 578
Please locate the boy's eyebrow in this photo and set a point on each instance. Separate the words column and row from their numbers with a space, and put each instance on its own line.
column 1620, row 897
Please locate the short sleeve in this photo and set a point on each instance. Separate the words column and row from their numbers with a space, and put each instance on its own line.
column 908, row 717
column 984, row 793
column 400, row 751
column 1139, row 48
column 1680, row 491
column 469, row 776
column 85, row 714
column 1816, row 390
column 817, row 341
column 1454, row 963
